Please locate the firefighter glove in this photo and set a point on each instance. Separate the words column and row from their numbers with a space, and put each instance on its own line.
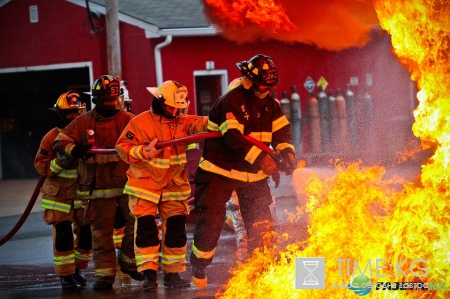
column 80, row 151
column 288, row 160
column 268, row 165
column 150, row 151
column 276, row 178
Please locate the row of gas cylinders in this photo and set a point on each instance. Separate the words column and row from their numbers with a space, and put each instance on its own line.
column 333, row 123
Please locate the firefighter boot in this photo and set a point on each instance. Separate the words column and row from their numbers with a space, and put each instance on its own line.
column 132, row 273
column 199, row 278
column 173, row 280
column 101, row 285
column 67, row 282
column 79, row 277
column 149, row 281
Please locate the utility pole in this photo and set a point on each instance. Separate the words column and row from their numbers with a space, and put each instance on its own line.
column 113, row 38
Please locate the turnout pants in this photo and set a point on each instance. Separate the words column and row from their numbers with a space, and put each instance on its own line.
column 101, row 214
column 72, row 241
column 173, row 242
column 211, row 194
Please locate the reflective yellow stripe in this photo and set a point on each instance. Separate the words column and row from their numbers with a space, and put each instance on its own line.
column 145, row 258
column 141, row 193
column 232, row 174
column 68, row 173
column 182, row 195
column 284, row 145
column 212, row 126
column 102, row 159
column 172, row 259
column 63, row 137
column 279, row 123
column 202, row 254
column 100, row 193
column 64, row 260
column 191, row 146
column 252, row 154
column 135, row 152
column 231, row 124
column 118, row 238
column 105, row 272
column 82, row 256
column 78, row 204
column 54, row 205
column 68, row 149
column 262, row 136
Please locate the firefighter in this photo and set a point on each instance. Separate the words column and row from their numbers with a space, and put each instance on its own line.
column 233, row 163
column 61, row 208
column 101, row 178
column 158, row 181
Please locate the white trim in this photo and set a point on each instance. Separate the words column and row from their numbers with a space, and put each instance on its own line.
column 4, row 2
column 223, row 80
column 151, row 30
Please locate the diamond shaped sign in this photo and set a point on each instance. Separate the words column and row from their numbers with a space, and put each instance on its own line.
column 322, row 83
column 309, row 84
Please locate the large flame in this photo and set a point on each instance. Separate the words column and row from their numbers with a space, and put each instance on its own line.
column 331, row 25
column 357, row 215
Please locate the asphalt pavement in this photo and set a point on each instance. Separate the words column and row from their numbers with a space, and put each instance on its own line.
column 26, row 260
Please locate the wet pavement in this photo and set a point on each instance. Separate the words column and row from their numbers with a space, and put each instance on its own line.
column 26, row 260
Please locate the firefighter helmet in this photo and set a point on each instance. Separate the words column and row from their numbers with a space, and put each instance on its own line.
column 106, row 93
column 69, row 103
column 260, row 69
column 172, row 94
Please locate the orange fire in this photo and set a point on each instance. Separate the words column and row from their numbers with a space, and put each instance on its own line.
column 356, row 216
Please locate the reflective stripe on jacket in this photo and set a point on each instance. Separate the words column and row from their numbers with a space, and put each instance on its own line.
column 58, row 190
column 100, row 176
column 239, row 112
column 163, row 176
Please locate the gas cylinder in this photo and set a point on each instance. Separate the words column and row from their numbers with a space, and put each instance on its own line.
column 333, row 121
column 285, row 105
column 324, row 120
column 295, row 105
column 314, row 124
column 342, row 120
column 351, row 119
column 368, row 125
column 274, row 95
column 296, row 124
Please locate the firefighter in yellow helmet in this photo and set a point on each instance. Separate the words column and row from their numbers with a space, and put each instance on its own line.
column 61, row 207
column 158, row 181
column 101, row 178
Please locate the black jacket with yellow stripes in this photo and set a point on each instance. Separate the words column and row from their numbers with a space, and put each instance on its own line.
column 239, row 112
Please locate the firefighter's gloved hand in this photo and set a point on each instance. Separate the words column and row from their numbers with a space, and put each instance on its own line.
column 276, row 178
column 150, row 150
column 80, row 151
column 289, row 162
column 268, row 165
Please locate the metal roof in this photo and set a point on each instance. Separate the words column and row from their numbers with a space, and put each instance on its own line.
column 159, row 17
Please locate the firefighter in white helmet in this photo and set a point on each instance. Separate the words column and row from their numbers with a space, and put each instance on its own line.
column 61, row 207
column 158, row 181
column 101, row 178
column 234, row 163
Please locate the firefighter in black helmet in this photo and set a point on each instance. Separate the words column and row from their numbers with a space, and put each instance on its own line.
column 233, row 163
column 61, row 208
column 101, row 178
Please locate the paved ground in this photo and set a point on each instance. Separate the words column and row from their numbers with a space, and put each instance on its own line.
column 26, row 260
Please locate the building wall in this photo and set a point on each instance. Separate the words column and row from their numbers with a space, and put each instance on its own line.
column 60, row 37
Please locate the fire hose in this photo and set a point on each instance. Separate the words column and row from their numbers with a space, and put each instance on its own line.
column 282, row 164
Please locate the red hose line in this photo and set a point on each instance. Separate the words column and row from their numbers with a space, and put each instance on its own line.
column 26, row 213
column 188, row 139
